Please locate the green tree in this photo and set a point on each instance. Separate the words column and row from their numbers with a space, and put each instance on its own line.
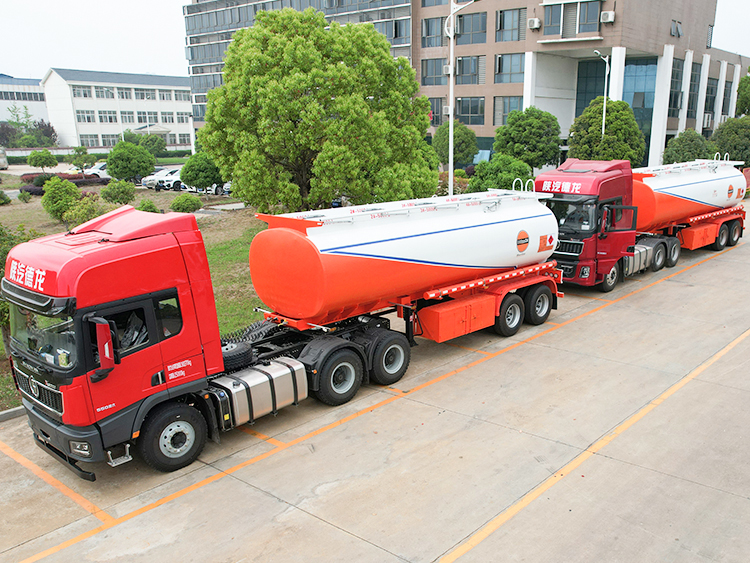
column 733, row 137
column 126, row 161
column 121, row 192
column 531, row 135
column 153, row 144
column 87, row 208
column 499, row 173
column 464, row 143
column 743, row 97
column 81, row 158
column 59, row 196
column 200, row 172
column 130, row 137
column 41, row 159
column 8, row 135
column 20, row 118
column 688, row 146
column 307, row 114
column 622, row 139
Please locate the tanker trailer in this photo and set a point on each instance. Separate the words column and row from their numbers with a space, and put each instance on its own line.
column 447, row 266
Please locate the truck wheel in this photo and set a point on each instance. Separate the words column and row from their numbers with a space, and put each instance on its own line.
column 610, row 280
column 673, row 251
column 511, row 315
column 659, row 258
column 722, row 238
column 538, row 303
column 172, row 437
column 236, row 355
column 340, row 377
column 735, row 232
column 391, row 358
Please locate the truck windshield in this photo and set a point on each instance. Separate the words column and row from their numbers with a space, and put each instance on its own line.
column 574, row 216
column 51, row 339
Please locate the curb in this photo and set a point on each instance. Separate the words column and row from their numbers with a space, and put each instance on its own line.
column 11, row 413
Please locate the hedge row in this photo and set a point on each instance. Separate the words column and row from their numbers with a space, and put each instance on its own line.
column 99, row 156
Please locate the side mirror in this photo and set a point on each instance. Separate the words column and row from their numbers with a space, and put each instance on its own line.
column 605, row 218
column 106, row 347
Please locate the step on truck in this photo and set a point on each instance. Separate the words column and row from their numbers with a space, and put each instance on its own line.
column 615, row 222
column 115, row 343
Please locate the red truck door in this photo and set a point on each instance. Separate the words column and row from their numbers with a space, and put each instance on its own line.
column 616, row 236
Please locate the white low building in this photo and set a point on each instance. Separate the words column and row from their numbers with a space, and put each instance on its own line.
column 22, row 93
column 93, row 109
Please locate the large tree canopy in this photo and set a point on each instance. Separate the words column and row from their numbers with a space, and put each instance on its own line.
column 307, row 114
column 743, row 97
column 688, row 146
column 733, row 137
column 622, row 139
column 464, row 143
column 532, row 135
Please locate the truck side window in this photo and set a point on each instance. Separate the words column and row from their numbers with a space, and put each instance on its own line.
column 168, row 317
column 132, row 331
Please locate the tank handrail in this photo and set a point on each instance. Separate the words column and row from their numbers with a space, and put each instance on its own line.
column 526, row 186
column 717, row 156
column 514, row 184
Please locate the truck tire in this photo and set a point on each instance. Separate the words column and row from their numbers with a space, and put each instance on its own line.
column 659, row 257
column 172, row 437
column 735, row 232
column 236, row 355
column 391, row 358
column 610, row 280
column 538, row 304
column 340, row 377
column 673, row 251
column 511, row 315
column 722, row 238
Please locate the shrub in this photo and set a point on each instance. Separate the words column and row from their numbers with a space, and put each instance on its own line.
column 24, row 197
column 186, row 203
column 59, row 196
column 4, row 199
column 126, row 161
column 119, row 191
column 460, row 173
column 499, row 173
column 41, row 179
column 32, row 190
column 200, row 172
column 42, row 159
column 85, row 209
column 28, row 178
column 147, row 205
column 470, row 170
column 91, row 181
column 459, row 184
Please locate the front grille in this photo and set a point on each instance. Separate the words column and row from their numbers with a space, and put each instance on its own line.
column 569, row 247
column 47, row 397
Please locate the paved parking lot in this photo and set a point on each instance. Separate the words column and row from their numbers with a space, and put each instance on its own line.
column 615, row 432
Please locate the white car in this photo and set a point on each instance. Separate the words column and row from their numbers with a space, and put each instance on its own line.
column 99, row 170
column 170, row 181
column 151, row 181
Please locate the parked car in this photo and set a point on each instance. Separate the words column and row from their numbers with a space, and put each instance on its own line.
column 3, row 159
column 153, row 179
column 139, row 178
column 170, row 181
column 73, row 170
column 99, row 170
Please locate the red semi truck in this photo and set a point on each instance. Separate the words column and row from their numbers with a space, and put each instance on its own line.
column 615, row 221
column 115, row 340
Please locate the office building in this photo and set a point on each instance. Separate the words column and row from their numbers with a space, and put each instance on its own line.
column 20, row 93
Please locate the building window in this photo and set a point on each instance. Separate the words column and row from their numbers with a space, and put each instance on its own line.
column 428, row 3
column 127, row 117
column 503, row 106
column 589, row 17
column 145, row 94
column 432, row 32
column 85, row 116
column 510, row 25
column 141, row 117
column 470, row 70
column 396, row 31
column 182, row 95
column 183, row 117
column 103, row 92
column 432, row 72
column 471, row 28
column 172, row 139
column 184, row 138
column 89, row 140
column 695, row 77
column 727, row 97
column 509, row 68
column 675, row 91
column 165, row 95
column 125, row 93
column 552, row 19
column 470, row 111
column 436, row 111
column 81, row 91
column 712, row 88
column 110, row 140
column 167, row 117
column 106, row 116
column 153, row 117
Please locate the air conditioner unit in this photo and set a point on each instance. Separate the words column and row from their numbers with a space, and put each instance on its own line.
column 708, row 119
column 446, row 110
column 607, row 17
column 723, row 119
column 535, row 23
column 447, row 69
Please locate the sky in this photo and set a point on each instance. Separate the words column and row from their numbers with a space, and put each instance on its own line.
column 148, row 36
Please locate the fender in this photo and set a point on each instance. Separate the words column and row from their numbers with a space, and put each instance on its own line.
column 317, row 351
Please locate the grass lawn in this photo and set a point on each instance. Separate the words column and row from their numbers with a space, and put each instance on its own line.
column 171, row 160
column 227, row 237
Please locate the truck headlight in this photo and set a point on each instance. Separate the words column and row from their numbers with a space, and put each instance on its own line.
column 585, row 271
column 82, row 449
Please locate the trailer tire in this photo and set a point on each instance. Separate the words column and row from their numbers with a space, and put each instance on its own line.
column 340, row 377
column 659, row 258
column 735, row 232
column 721, row 239
column 610, row 280
column 390, row 359
column 538, row 304
column 511, row 315
column 673, row 251
column 236, row 355
column 172, row 437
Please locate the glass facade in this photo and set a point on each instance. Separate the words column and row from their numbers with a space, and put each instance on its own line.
column 590, row 83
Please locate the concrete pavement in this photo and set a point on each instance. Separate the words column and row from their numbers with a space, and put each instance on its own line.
column 614, row 432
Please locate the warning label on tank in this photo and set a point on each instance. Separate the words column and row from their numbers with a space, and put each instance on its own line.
column 522, row 241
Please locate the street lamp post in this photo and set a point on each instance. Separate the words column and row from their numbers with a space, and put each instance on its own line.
column 606, row 84
column 450, row 31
